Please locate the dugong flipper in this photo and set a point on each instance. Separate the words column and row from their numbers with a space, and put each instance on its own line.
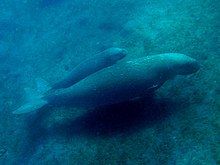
column 102, row 60
column 120, row 82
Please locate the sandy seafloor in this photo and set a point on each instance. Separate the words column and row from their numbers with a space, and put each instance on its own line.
column 46, row 38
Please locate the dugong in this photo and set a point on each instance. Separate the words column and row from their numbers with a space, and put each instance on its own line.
column 123, row 81
column 102, row 60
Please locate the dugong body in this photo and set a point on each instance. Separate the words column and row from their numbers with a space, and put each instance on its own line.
column 102, row 60
column 120, row 82
column 125, row 81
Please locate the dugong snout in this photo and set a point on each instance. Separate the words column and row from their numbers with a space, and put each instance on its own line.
column 189, row 66
column 114, row 54
column 177, row 63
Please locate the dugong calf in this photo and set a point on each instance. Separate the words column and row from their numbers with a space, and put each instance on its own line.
column 123, row 81
column 102, row 60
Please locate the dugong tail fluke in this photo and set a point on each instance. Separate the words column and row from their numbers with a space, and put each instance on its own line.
column 30, row 106
column 34, row 99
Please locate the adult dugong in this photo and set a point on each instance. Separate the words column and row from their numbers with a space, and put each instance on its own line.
column 102, row 60
column 120, row 82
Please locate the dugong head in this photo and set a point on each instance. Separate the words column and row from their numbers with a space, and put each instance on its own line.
column 182, row 64
column 114, row 54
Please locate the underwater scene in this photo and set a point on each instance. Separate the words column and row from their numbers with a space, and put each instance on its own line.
column 119, row 82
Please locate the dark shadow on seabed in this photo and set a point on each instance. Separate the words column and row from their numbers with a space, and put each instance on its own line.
column 108, row 121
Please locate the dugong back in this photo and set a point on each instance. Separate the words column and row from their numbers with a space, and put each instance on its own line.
column 125, row 81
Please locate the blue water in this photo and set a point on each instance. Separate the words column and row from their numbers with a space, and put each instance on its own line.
column 47, row 38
